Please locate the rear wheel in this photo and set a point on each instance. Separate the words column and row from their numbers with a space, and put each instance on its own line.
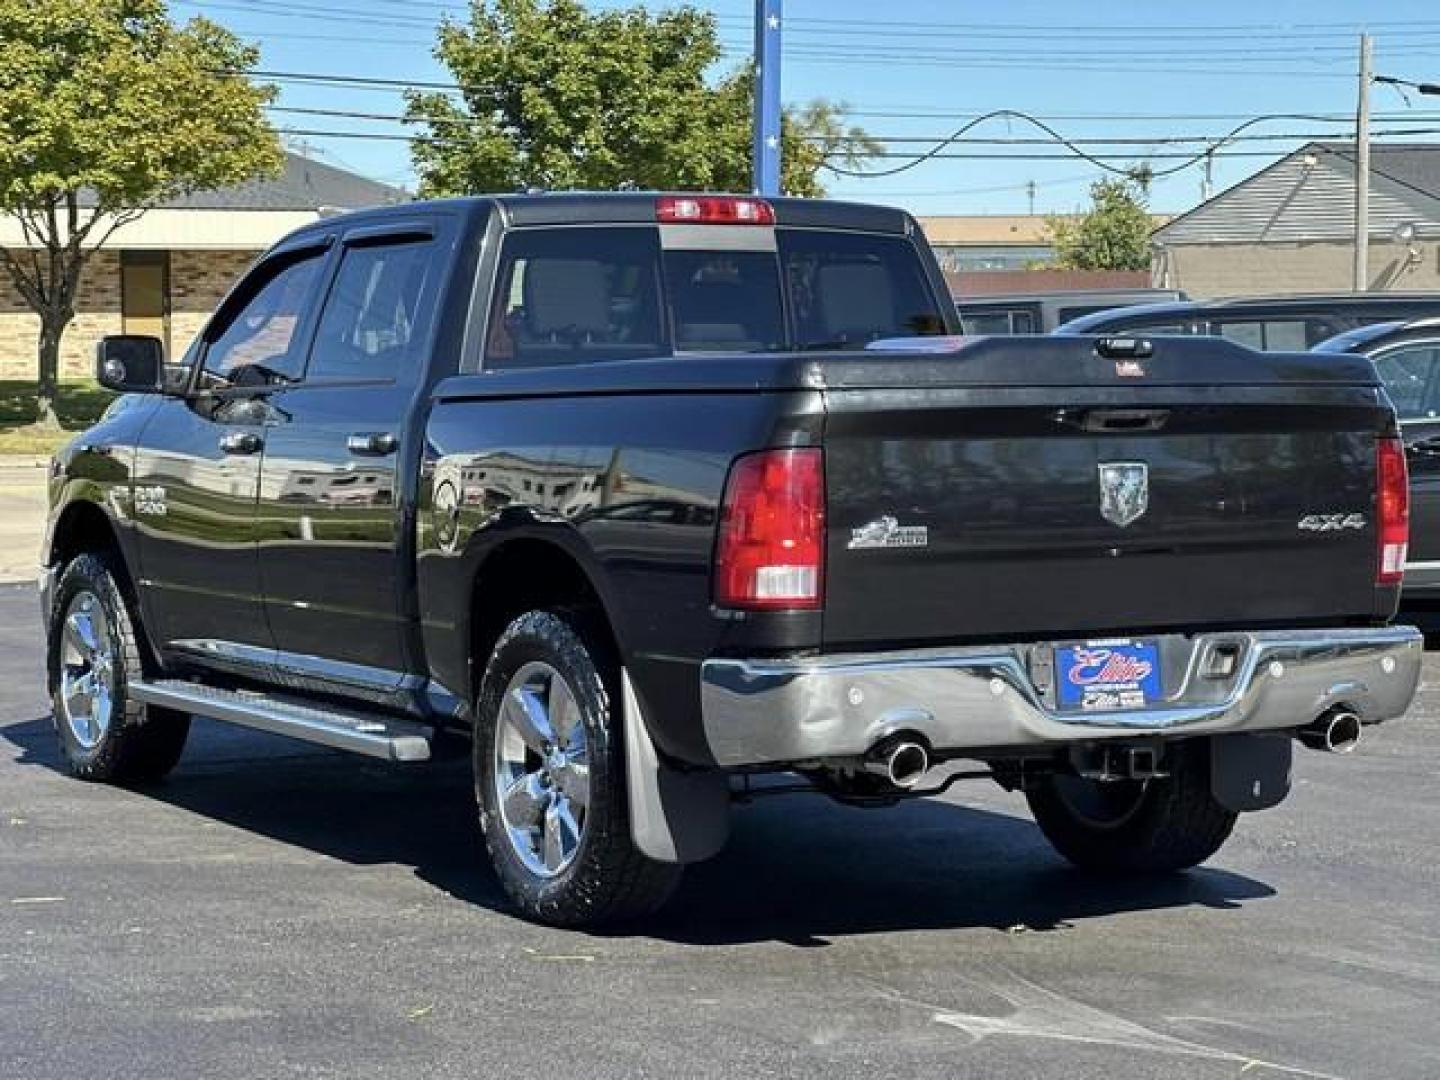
column 93, row 653
column 1132, row 826
column 550, row 780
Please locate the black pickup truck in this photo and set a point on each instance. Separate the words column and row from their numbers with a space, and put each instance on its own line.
column 645, row 496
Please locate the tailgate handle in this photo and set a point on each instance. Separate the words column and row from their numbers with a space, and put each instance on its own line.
column 1125, row 348
column 1119, row 421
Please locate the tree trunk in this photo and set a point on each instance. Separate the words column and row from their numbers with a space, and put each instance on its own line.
column 52, row 328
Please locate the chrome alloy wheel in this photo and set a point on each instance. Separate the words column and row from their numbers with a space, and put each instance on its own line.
column 87, row 669
column 542, row 769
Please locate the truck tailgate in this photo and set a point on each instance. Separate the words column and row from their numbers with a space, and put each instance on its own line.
column 1023, row 488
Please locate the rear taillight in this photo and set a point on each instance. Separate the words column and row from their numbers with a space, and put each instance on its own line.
column 1392, row 510
column 713, row 210
column 770, row 551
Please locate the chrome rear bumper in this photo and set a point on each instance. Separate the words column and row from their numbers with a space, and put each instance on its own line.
column 762, row 712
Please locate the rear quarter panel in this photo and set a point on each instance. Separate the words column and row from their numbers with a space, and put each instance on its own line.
column 629, row 484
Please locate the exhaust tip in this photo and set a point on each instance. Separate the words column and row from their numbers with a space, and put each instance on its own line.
column 1335, row 732
column 902, row 763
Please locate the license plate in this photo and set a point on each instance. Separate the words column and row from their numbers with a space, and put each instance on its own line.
column 1108, row 675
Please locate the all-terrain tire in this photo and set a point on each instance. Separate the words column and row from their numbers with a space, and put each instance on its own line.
column 606, row 879
column 138, row 744
column 1156, row 826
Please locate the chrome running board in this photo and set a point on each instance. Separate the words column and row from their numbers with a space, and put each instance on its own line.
column 374, row 734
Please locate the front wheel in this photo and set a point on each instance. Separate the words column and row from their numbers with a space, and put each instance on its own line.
column 1132, row 826
column 93, row 654
column 550, row 778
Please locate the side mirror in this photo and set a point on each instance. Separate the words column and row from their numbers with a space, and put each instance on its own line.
column 130, row 364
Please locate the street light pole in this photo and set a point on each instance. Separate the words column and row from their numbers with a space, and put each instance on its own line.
column 1362, row 169
column 765, row 148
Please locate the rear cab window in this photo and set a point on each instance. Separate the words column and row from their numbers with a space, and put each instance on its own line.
column 580, row 294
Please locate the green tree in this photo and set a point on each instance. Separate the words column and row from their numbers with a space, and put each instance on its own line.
column 106, row 108
column 559, row 96
column 1114, row 234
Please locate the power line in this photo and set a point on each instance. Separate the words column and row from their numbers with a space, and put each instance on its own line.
column 1106, row 29
column 822, row 51
column 965, row 156
column 900, row 112
column 1156, row 140
column 930, row 29
column 937, row 151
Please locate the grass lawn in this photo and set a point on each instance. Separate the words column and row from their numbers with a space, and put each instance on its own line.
column 79, row 405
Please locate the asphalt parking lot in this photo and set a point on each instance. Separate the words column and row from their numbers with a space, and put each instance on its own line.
column 278, row 910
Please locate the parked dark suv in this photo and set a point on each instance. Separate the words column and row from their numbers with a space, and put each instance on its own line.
column 1042, row 312
column 1271, row 323
column 1407, row 356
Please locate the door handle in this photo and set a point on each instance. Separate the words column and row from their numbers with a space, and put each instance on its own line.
column 372, row 443
column 241, row 442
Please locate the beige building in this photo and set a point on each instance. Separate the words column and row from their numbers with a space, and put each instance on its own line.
column 1290, row 228
column 163, row 274
column 972, row 243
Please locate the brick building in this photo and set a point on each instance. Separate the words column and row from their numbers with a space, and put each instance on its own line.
column 163, row 274
column 1290, row 228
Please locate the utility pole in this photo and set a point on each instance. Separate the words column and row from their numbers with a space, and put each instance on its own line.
column 1030, row 190
column 1362, row 168
column 1207, row 185
column 765, row 148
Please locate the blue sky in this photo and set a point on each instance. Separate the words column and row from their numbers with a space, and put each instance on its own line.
column 917, row 69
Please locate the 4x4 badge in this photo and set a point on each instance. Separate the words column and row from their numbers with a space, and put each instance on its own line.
column 1124, row 491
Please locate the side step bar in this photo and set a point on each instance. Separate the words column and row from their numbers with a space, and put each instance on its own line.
column 374, row 734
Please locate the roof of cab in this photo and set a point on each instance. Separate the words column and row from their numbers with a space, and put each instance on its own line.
column 634, row 207
column 616, row 208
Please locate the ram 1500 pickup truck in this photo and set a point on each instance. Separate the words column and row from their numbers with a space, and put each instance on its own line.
column 645, row 496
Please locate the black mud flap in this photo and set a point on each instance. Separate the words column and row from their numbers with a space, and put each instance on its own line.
column 1250, row 772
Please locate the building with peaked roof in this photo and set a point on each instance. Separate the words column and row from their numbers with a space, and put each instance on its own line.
column 164, row 273
column 1290, row 228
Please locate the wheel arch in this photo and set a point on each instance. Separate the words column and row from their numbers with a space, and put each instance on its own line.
column 84, row 527
column 526, row 570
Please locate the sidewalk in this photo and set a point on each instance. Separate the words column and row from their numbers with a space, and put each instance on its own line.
column 22, row 516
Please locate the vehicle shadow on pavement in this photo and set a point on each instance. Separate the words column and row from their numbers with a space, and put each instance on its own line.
column 798, row 869
column 802, row 870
